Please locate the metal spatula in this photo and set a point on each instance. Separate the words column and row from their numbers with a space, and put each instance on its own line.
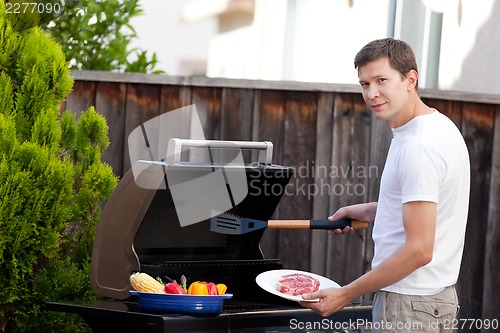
column 227, row 223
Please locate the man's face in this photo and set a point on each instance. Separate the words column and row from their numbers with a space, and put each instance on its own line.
column 385, row 91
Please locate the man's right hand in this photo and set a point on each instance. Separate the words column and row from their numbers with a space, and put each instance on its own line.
column 363, row 212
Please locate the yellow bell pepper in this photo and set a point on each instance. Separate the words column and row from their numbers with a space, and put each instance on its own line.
column 221, row 288
column 198, row 288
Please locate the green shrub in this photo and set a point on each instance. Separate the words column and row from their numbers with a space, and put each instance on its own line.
column 52, row 182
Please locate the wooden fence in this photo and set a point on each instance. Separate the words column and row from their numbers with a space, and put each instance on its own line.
column 337, row 149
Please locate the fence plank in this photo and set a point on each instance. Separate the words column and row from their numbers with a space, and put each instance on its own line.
column 269, row 120
column 81, row 98
column 269, row 117
column 478, row 133
column 208, row 104
column 174, row 97
column 110, row 102
column 142, row 104
column 236, row 117
column 381, row 136
column 177, row 124
column 299, row 147
column 237, row 114
column 321, row 203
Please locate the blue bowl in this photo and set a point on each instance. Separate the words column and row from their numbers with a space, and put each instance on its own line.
column 177, row 303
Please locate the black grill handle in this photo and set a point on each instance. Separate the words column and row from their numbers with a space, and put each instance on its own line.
column 338, row 224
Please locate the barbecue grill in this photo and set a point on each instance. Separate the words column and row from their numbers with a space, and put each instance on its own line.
column 141, row 229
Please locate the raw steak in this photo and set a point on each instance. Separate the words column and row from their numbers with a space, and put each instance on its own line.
column 297, row 284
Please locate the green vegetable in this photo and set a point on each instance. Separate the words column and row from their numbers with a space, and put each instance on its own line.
column 184, row 282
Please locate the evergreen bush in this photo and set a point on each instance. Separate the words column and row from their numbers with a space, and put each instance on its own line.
column 52, row 182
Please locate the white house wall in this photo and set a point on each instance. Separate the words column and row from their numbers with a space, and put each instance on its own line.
column 328, row 34
column 253, row 51
column 470, row 47
column 181, row 47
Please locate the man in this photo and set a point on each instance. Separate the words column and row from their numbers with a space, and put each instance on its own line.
column 420, row 217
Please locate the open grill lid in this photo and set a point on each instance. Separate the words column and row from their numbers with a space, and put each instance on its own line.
column 149, row 225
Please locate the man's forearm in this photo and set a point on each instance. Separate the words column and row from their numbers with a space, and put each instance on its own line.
column 402, row 263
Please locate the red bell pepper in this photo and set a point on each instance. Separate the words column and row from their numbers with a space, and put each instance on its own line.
column 174, row 288
column 212, row 289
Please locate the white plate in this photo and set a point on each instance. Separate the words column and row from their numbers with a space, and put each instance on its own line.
column 267, row 281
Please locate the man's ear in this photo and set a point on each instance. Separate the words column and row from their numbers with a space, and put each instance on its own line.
column 412, row 77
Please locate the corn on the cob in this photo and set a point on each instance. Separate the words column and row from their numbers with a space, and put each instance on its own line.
column 146, row 283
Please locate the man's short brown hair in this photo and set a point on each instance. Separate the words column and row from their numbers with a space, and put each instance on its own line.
column 399, row 53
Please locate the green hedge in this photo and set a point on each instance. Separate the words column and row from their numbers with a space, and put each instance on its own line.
column 52, row 182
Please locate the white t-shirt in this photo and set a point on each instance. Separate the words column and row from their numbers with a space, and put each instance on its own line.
column 427, row 161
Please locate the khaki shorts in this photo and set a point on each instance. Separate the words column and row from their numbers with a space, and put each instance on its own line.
column 411, row 314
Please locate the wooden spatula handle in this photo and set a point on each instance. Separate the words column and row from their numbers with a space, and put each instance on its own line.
column 289, row 224
column 358, row 224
